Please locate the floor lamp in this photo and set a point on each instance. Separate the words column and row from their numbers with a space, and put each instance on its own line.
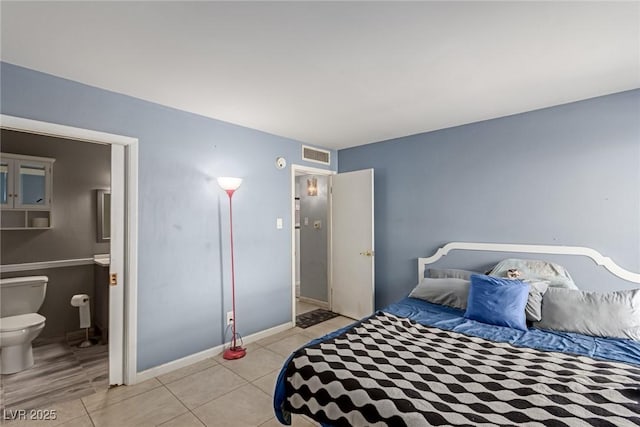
column 230, row 185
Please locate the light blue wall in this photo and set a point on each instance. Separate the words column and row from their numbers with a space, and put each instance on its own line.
column 183, row 288
column 567, row 175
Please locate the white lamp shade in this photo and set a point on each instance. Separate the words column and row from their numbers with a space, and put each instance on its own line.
column 229, row 183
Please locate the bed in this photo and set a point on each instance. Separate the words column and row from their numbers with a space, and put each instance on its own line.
column 418, row 363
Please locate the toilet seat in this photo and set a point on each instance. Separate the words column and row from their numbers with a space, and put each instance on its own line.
column 21, row 321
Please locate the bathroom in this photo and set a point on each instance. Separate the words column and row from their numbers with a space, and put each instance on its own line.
column 66, row 239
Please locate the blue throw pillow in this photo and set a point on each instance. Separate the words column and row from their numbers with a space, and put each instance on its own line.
column 497, row 301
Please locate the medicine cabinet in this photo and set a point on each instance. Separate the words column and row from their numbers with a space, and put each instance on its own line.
column 25, row 191
column 104, row 215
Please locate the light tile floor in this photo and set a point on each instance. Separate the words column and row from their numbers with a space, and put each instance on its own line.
column 213, row 392
column 304, row 307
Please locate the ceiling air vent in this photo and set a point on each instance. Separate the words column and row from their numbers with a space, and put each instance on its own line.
column 315, row 155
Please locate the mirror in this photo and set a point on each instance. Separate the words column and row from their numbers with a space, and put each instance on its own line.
column 32, row 184
column 4, row 183
column 104, row 215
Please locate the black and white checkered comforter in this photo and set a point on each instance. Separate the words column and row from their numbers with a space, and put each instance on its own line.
column 391, row 371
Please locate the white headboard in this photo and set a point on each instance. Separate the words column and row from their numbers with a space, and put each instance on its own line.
column 596, row 256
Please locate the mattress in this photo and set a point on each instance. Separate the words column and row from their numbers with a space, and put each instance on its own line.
column 416, row 364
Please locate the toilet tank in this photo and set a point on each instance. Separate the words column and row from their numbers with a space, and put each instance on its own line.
column 22, row 295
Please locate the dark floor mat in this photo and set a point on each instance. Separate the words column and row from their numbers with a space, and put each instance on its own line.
column 314, row 317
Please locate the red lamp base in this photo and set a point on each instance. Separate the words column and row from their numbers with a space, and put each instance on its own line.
column 234, row 353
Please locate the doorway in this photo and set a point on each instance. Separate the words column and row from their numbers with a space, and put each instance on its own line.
column 55, row 235
column 350, row 252
column 310, row 239
column 123, row 238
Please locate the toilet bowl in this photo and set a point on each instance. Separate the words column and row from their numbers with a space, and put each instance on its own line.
column 20, row 299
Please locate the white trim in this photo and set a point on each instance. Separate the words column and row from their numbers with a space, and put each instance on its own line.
column 596, row 256
column 174, row 365
column 117, row 266
column 131, row 268
column 321, row 304
column 12, row 156
column 309, row 170
column 304, row 170
column 131, row 238
column 62, row 131
column 28, row 266
column 205, row 354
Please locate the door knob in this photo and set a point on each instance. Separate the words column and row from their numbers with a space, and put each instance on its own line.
column 367, row 253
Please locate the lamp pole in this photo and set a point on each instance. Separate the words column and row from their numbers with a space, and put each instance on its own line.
column 230, row 185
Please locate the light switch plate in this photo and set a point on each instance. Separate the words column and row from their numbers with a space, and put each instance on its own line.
column 279, row 223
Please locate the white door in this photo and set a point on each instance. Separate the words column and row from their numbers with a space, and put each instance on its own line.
column 352, row 245
column 116, row 267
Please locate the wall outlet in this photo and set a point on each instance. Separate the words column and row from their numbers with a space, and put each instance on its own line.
column 229, row 317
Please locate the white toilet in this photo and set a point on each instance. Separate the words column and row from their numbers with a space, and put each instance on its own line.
column 20, row 299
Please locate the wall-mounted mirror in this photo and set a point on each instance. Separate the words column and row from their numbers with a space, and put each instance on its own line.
column 104, row 215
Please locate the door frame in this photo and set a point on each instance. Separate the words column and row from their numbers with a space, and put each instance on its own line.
column 126, row 346
column 307, row 170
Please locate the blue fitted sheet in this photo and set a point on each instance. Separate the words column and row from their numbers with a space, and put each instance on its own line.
column 452, row 319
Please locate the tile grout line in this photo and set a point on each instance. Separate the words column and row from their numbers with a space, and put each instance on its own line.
column 224, row 394
column 181, row 402
column 208, row 401
column 188, row 375
column 121, row 400
column 88, row 414
column 197, row 417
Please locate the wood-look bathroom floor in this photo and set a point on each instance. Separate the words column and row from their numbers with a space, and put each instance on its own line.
column 61, row 372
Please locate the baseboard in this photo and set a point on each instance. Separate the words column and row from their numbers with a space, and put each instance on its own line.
column 321, row 304
column 205, row 354
column 267, row 332
column 80, row 334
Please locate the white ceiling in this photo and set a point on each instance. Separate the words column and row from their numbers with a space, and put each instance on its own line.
column 336, row 74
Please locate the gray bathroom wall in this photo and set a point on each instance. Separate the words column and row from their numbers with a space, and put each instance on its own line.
column 313, row 241
column 80, row 169
column 63, row 284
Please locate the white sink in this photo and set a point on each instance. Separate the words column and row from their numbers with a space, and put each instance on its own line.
column 102, row 260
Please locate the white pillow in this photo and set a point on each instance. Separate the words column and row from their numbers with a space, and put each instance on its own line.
column 442, row 273
column 533, row 310
column 611, row 314
column 534, row 270
column 454, row 292
column 451, row 292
